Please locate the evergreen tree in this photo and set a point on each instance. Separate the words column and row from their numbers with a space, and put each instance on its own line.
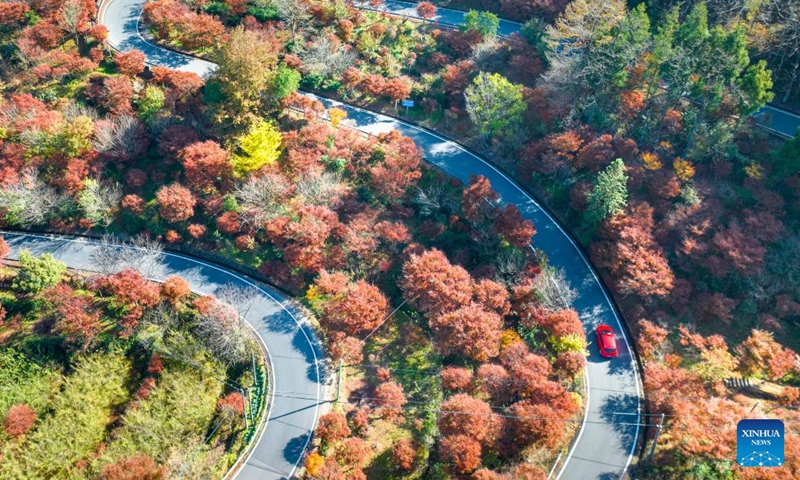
column 610, row 194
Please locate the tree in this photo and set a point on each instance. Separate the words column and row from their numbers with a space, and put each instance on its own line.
column 247, row 63
column 426, row 10
column 353, row 452
column 485, row 23
column 627, row 248
column 29, row 201
column 175, row 289
column 609, row 196
column 223, row 330
column 140, row 467
column 37, row 273
column 76, row 316
column 463, row 414
column 478, row 201
column 259, row 147
column 336, row 116
column 294, row 12
column 492, row 296
column 397, row 89
column 262, row 197
column 133, row 294
column 494, row 104
column 513, row 228
column 456, row 378
column 326, row 57
column 650, row 338
column 552, row 290
column 332, row 427
column 121, row 138
column 404, row 454
column 129, row 63
column 760, row 355
column 396, row 166
column 434, row 286
column 470, row 331
column 19, row 419
column 358, row 310
column 231, row 404
column 460, row 452
column 571, row 363
column 583, row 25
column 390, row 398
column 175, row 203
column 537, row 424
column 75, row 16
column 494, row 380
column 207, row 165
column 100, row 202
column 755, row 87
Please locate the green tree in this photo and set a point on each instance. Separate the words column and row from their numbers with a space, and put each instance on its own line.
column 286, row 82
column 755, row 89
column 494, row 104
column 150, row 103
column 486, row 23
column 240, row 89
column 609, row 196
column 261, row 146
column 37, row 273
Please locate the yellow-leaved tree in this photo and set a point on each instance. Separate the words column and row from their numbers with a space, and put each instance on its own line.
column 261, row 146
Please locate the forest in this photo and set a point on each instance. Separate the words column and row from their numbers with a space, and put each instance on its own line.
column 630, row 121
column 94, row 372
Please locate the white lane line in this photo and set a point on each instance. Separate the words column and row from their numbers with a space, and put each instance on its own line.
column 244, row 280
column 580, row 254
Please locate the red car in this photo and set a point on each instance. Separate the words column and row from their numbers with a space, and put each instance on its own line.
column 606, row 341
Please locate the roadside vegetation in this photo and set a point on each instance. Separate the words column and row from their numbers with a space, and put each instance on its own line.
column 110, row 377
column 631, row 122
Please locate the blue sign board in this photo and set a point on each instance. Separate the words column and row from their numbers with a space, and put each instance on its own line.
column 759, row 443
column 407, row 103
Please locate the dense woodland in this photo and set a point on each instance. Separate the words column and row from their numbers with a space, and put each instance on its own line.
column 95, row 374
column 630, row 121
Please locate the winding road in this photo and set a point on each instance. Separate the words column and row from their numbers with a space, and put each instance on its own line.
column 608, row 435
column 293, row 348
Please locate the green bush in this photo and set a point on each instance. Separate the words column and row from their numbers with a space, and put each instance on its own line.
column 180, row 406
column 77, row 424
column 22, row 381
column 38, row 273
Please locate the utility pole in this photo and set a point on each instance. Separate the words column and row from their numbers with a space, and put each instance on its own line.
column 339, row 381
column 655, row 440
column 244, row 410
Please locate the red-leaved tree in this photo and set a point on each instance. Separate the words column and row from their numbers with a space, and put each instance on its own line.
column 130, row 63
column 140, row 467
column 433, row 285
column 19, row 419
column 207, row 166
column 175, row 203
column 470, row 331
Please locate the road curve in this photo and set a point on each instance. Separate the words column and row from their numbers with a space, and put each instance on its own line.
column 608, row 435
column 291, row 342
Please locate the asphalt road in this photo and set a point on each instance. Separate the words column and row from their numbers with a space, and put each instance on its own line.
column 608, row 435
column 291, row 342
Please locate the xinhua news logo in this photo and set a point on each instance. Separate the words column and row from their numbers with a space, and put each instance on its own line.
column 759, row 443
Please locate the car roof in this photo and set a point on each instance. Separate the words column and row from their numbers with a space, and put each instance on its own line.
column 607, row 338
